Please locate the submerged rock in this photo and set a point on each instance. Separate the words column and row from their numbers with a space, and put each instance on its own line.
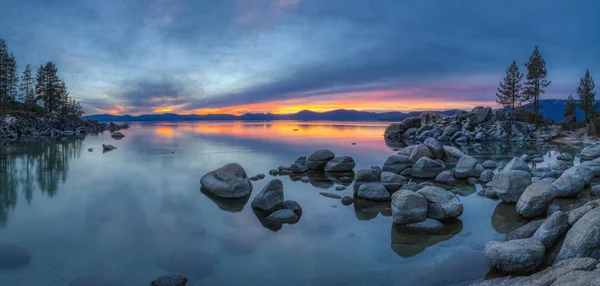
column 347, row 200
column 330, row 195
column 13, row 256
column 117, row 134
column 284, row 216
column 270, row 198
column 408, row 207
column 519, row 255
column 170, row 280
column 229, row 181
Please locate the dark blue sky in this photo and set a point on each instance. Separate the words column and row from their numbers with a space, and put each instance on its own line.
column 282, row 55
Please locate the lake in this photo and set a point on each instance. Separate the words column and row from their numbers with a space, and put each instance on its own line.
column 135, row 213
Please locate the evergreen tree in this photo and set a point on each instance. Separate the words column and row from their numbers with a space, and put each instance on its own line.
column 4, row 56
column 536, row 80
column 510, row 91
column 570, row 113
column 48, row 87
column 587, row 95
column 12, row 79
column 26, row 88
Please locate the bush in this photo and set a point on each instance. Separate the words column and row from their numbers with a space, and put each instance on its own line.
column 524, row 115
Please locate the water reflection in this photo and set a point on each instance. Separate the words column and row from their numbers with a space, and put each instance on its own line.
column 407, row 243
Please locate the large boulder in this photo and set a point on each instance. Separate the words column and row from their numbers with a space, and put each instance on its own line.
column 392, row 181
column 572, row 181
column 594, row 166
column 373, row 191
column 465, row 168
column 318, row 160
column 394, row 131
column 590, row 152
column 536, row 199
column 446, row 177
column 516, row 164
column 408, row 207
column 452, row 154
column 519, row 255
column 510, row 185
column 441, row 204
column 480, row 114
column 557, row 270
column 421, row 151
column 229, row 182
column 364, row 176
column 396, row 164
column 427, row 168
column 270, row 198
column 436, row 147
column 578, row 213
column 582, row 240
column 340, row 164
column 559, row 166
column 486, row 176
column 552, row 229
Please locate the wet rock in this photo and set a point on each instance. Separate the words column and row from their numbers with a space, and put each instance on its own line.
column 441, row 204
column 170, row 280
column 90, row 149
column 373, row 191
column 318, row 160
column 472, row 181
column 270, row 198
column 421, row 151
column 273, row 172
column 396, row 164
column 513, row 256
column 446, row 177
column 293, row 206
column 488, row 192
column 536, row 199
column 13, row 256
column 428, row 225
column 117, row 134
column 340, row 188
column 486, row 176
column 435, row 147
column 582, row 239
column 284, row 216
column 465, row 167
column 509, row 185
column 229, row 181
column 330, row 195
column 408, row 207
column 489, row 164
column 108, row 147
column 516, row 164
column 347, row 200
column 340, row 164
column 565, row 157
column 364, row 176
column 525, row 231
column 427, row 168
column 552, row 229
column 305, row 179
column 573, row 181
column 590, row 152
column 392, row 182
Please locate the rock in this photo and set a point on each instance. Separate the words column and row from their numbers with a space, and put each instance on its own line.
column 452, row 155
column 13, row 256
column 394, row 130
column 340, row 188
column 408, row 207
column 478, row 170
column 373, row 191
column 488, row 192
column 594, row 166
column 293, row 206
column 407, row 172
column 480, row 114
column 552, row 209
column 536, row 199
column 435, row 147
column 318, row 160
column 582, row 239
column 519, row 255
column 273, row 172
column 90, row 281
column 441, row 204
column 396, row 164
column 170, row 280
column 543, row 173
column 509, row 185
column 486, row 176
column 590, row 152
column 90, row 149
column 472, row 181
column 489, row 164
column 284, row 216
column 578, row 278
column 462, row 139
column 565, row 157
column 108, row 147
column 411, row 186
column 392, row 182
column 270, row 198
column 427, row 168
column 229, row 181
column 446, row 177
column 558, row 166
column 421, row 151
column 299, row 166
column 537, row 159
column 330, row 195
column 525, row 158
column 552, row 229
column 578, row 213
column 347, row 200
column 595, row 190
column 340, row 164
column 366, row 176
column 572, row 181
column 117, row 134
column 525, row 231
column 558, row 270
column 516, row 164
column 428, row 225
column 465, row 167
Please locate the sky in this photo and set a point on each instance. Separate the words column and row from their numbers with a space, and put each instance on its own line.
column 283, row 56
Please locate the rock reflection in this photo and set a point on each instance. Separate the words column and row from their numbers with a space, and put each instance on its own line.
column 367, row 210
column 266, row 222
column 229, row 205
column 326, row 180
column 506, row 218
column 407, row 242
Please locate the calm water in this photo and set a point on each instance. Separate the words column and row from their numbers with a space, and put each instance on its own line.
column 135, row 213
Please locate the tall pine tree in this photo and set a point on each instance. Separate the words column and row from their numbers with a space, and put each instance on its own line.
column 510, row 91
column 4, row 63
column 27, row 87
column 587, row 95
column 12, row 78
column 570, row 113
column 48, row 87
column 536, row 80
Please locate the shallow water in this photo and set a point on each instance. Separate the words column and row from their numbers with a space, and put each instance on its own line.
column 135, row 213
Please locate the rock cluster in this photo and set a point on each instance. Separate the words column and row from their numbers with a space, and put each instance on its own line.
column 25, row 125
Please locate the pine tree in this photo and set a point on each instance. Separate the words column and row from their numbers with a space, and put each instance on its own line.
column 12, row 78
column 26, row 88
column 4, row 55
column 570, row 113
column 536, row 80
column 587, row 95
column 48, row 87
column 510, row 91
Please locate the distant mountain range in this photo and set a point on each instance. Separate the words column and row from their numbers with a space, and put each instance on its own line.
column 554, row 109
column 334, row 115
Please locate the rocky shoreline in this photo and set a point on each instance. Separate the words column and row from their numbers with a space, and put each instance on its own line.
column 52, row 126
